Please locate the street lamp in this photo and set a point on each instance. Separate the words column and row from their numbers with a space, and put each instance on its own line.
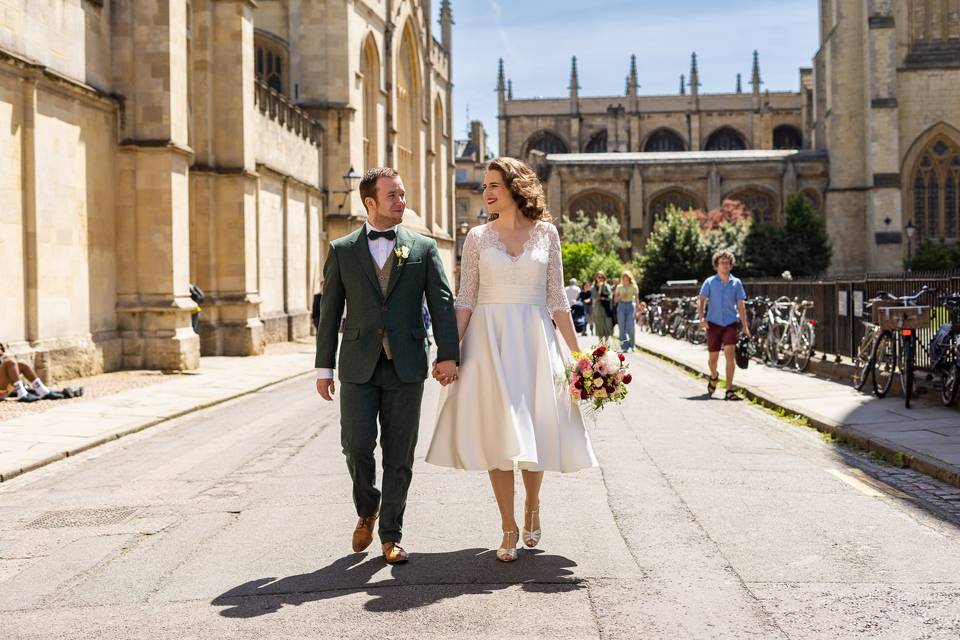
column 911, row 230
column 464, row 228
column 351, row 180
column 483, row 217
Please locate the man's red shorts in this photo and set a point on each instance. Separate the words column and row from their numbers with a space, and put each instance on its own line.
column 718, row 336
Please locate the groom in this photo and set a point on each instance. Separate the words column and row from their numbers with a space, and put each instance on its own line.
column 382, row 272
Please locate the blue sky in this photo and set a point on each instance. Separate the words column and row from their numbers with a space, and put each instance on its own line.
column 536, row 39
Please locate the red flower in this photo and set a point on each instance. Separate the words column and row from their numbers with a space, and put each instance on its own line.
column 584, row 395
column 627, row 378
column 622, row 357
column 578, row 384
column 599, row 351
column 610, row 390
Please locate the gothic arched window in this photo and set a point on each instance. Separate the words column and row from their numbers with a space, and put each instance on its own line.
column 591, row 203
column 725, row 139
column 664, row 140
column 546, row 142
column 675, row 198
column 270, row 60
column 761, row 204
column 408, row 117
column 598, row 143
column 935, row 182
column 370, row 71
column 787, row 137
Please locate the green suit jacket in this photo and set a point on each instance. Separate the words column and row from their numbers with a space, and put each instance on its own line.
column 349, row 277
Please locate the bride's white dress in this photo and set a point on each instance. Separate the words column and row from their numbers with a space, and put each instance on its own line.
column 510, row 406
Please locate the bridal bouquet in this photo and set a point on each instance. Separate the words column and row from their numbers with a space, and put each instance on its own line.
column 598, row 377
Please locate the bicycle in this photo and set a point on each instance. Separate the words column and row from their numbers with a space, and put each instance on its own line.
column 795, row 345
column 945, row 351
column 896, row 347
column 776, row 327
column 866, row 356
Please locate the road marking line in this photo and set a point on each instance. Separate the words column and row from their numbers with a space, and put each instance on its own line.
column 862, row 487
column 879, row 485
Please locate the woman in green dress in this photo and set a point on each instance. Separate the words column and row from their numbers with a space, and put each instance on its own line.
column 602, row 313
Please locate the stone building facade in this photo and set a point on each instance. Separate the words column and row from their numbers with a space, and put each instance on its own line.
column 151, row 144
column 471, row 156
column 871, row 137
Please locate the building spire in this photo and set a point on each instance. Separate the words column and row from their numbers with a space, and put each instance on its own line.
column 683, row 85
column 694, row 75
column 509, row 89
column 739, row 84
column 574, row 79
column 755, row 80
column 632, row 82
column 501, row 86
column 446, row 25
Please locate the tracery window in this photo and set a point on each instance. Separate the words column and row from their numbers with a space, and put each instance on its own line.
column 935, row 186
column 725, row 139
column 787, row 137
column 680, row 200
column 370, row 70
column 546, row 142
column 591, row 203
column 663, row 140
column 271, row 61
column 761, row 204
column 597, row 143
column 408, row 118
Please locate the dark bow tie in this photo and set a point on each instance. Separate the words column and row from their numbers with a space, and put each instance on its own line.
column 389, row 235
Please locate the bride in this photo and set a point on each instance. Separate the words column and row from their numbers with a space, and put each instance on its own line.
column 510, row 406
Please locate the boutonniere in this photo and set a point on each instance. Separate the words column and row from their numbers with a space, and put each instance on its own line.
column 402, row 252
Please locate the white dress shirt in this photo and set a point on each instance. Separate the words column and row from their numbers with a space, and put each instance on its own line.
column 573, row 293
column 379, row 250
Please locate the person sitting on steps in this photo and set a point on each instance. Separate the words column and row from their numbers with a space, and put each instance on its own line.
column 10, row 382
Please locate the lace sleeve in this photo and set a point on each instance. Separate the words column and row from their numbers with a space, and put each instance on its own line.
column 556, row 296
column 469, row 272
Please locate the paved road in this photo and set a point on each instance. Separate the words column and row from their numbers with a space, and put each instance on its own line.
column 706, row 520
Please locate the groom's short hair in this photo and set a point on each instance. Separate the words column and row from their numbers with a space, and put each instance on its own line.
column 368, row 184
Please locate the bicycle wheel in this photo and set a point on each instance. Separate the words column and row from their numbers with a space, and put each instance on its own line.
column 785, row 353
column 885, row 364
column 951, row 384
column 906, row 371
column 801, row 359
column 772, row 345
column 864, row 361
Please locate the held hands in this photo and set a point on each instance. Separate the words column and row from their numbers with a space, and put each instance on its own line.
column 445, row 372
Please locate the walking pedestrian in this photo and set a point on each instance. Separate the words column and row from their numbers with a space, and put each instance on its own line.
column 602, row 312
column 625, row 296
column 573, row 291
column 723, row 296
column 586, row 297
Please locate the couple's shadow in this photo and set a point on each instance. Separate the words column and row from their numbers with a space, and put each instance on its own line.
column 428, row 578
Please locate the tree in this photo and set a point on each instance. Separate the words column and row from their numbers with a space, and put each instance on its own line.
column 577, row 259
column 601, row 230
column 675, row 251
column 935, row 256
column 801, row 246
column 730, row 212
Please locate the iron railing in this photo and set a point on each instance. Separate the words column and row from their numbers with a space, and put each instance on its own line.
column 838, row 303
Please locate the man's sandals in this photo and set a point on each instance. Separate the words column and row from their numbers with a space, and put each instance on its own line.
column 712, row 383
column 731, row 395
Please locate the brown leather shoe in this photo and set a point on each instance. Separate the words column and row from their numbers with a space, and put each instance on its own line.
column 393, row 553
column 363, row 534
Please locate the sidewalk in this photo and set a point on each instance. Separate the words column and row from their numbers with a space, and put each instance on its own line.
column 925, row 437
column 39, row 438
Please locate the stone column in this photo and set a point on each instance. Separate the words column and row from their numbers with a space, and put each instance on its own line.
column 635, row 220
column 153, row 200
column 713, row 188
column 882, row 151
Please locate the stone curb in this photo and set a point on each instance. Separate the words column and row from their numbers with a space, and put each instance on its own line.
column 6, row 475
column 892, row 453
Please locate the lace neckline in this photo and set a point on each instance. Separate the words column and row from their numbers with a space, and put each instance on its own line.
column 499, row 244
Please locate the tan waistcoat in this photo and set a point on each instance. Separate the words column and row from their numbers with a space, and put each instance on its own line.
column 383, row 276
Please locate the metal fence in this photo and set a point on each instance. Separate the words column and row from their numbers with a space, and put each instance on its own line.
column 838, row 303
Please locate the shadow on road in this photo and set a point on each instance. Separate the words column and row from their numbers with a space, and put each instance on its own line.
column 428, row 578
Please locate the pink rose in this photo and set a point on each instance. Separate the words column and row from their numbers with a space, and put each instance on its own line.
column 584, row 364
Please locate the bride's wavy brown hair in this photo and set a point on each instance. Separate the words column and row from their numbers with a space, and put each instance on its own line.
column 524, row 186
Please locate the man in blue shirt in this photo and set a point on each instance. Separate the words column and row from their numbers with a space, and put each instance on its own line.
column 725, row 295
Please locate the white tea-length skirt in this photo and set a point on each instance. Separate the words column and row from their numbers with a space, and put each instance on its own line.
column 510, row 406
